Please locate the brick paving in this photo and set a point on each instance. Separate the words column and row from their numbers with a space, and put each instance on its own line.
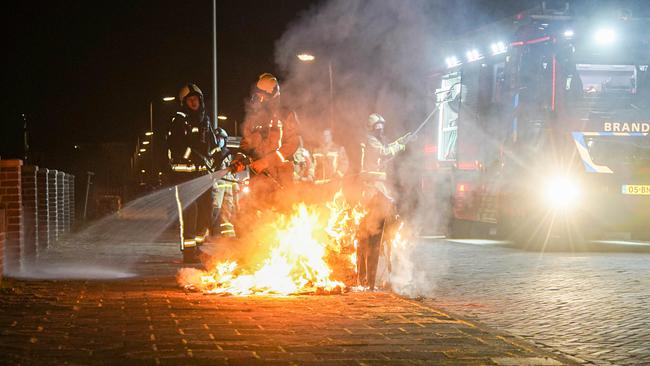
column 149, row 320
column 591, row 305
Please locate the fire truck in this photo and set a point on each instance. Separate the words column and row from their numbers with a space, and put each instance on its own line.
column 543, row 128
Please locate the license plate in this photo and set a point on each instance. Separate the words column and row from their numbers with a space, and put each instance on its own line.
column 636, row 189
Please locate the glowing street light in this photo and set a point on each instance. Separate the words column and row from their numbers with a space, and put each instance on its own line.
column 168, row 99
column 306, row 57
column 222, row 117
column 569, row 33
column 148, row 133
column 143, row 150
column 145, row 142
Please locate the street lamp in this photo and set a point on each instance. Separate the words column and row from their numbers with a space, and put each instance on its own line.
column 308, row 57
column 222, row 117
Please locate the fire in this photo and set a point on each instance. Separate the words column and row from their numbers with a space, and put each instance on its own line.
column 310, row 250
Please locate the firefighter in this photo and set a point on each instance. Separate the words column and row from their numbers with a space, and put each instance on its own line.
column 303, row 165
column 330, row 160
column 375, row 154
column 270, row 138
column 194, row 148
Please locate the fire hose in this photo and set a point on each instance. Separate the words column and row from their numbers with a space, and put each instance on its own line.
column 241, row 161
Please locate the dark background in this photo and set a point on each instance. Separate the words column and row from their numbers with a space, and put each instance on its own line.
column 83, row 73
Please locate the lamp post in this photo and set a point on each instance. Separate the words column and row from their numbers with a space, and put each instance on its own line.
column 307, row 58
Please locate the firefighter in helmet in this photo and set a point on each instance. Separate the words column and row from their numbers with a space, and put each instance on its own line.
column 270, row 138
column 330, row 160
column 194, row 148
column 303, row 164
column 375, row 153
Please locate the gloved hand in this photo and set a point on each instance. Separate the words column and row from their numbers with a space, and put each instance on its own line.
column 404, row 139
column 238, row 164
column 259, row 165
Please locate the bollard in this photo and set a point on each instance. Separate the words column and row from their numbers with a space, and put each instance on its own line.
column 71, row 201
column 43, row 212
column 60, row 205
column 29, row 195
column 51, row 207
column 66, row 203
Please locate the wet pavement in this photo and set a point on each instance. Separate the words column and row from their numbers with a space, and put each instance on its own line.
column 593, row 305
column 150, row 320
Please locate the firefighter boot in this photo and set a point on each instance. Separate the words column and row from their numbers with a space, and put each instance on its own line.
column 361, row 263
column 190, row 251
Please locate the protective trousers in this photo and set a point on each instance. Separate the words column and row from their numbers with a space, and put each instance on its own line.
column 368, row 258
column 225, row 208
column 371, row 236
column 196, row 216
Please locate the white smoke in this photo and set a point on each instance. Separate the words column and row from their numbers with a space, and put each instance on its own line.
column 372, row 56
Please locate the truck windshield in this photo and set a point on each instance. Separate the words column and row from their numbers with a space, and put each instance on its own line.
column 599, row 89
column 615, row 151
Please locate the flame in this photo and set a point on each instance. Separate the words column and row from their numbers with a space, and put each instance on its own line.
column 310, row 250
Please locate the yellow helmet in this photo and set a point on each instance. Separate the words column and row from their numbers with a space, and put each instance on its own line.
column 373, row 119
column 268, row 84
column 187, row 90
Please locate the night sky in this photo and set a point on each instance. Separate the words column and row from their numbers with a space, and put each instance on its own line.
column 84, row 72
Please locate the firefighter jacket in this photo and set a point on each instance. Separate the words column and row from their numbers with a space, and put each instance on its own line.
column 330, row 162
column 374, row 157
column 193, row 145
column 272, row 134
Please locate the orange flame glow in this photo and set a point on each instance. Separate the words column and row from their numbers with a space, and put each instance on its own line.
column 310, row 250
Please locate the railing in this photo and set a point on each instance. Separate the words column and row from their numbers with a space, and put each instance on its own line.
column 39, row 209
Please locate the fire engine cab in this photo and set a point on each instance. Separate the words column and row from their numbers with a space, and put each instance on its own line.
column 543, row 128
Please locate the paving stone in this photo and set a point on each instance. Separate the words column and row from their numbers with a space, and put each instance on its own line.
column 592, row 306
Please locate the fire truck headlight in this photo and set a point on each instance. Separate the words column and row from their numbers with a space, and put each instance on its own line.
column 562, row 192
column 605, row 36
column 452, row 61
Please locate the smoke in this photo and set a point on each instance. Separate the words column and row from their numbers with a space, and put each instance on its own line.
column 378, row 55
column 371, row 56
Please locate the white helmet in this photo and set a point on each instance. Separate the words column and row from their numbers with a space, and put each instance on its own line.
column 373, row 119
column 187, row 90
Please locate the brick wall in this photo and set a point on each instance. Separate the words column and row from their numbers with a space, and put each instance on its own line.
column 10, row 200
column 2, row 241
column 30, row 213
